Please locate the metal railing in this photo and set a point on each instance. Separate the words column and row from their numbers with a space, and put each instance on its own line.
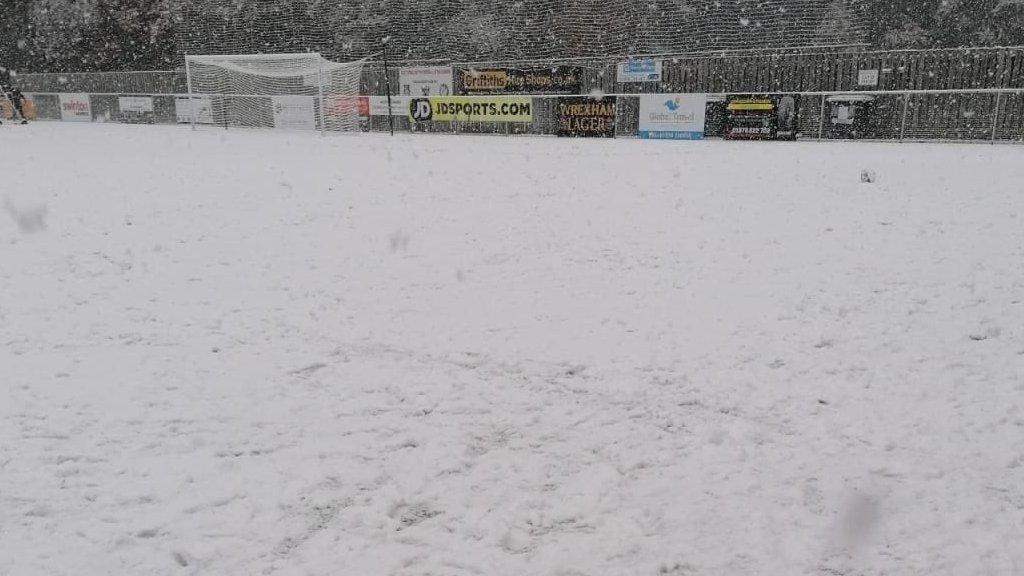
column 995, row 115
column 149, row 82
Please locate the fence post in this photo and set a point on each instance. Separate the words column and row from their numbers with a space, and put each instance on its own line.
column 188, row 81
column 903, row 123
column 995, row 116
column 320, row 82
column 387, row 86
column 821, row 119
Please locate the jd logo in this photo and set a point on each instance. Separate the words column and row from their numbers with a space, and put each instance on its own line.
column 420, row 110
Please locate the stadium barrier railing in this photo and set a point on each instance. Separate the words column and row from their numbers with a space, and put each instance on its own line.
column 954, row 94
column 994, row 115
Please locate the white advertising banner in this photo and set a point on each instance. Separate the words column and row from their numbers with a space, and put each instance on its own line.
column 135, row 103
column 294, row 112
column 867, row 77
column 641, row 70
column 399, row 105
column 422, row 81
column 75, row 108
column 201, row 107
column 672, row 116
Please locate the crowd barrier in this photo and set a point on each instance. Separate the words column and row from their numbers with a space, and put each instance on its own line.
column 962, row 115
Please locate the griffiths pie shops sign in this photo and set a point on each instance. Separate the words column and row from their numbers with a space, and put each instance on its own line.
column 553, row 80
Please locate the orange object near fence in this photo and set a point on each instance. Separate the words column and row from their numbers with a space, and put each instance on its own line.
column 7, row 111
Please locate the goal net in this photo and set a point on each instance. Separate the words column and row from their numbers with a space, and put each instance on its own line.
column 284, row 91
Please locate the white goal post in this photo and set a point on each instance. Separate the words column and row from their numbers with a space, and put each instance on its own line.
column 287, row 91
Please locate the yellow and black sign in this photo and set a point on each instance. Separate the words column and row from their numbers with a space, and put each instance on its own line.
column 553, row 80
column 762, row 117
column 748, row 104
column 485, row 80
column 472, row 109
column 583, row 116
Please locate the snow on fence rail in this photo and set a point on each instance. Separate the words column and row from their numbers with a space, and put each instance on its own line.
column 962, row 115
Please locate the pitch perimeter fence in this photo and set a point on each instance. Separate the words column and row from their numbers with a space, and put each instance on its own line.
column 962, row 94
column 824, row 69
column 981, row 115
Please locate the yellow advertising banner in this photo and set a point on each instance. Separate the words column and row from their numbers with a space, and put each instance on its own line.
column 548, row 80
column 472, row 109
column 489, row 80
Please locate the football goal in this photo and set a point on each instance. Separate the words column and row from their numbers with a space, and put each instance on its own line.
column 284, row 91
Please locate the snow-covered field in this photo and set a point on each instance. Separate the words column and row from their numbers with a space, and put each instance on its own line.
column 263, row 353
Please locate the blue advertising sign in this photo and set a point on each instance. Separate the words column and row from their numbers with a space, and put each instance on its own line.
column 641, row 70
column 672, row 116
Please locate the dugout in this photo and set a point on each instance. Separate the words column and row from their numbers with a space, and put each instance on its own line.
column 850, row 115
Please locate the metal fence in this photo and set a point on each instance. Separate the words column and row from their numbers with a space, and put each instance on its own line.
column 798, row 70
column 150, row 82
column 822, row 70
column 960, row 94
column 995, row 115
column 984, row 115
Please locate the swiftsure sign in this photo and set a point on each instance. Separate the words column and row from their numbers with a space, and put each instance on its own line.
column 672, row 116
column 469, row 109
column 75, row 108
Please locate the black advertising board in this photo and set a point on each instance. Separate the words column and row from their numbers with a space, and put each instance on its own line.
column 583, row 116
column 762, row 117
column 553, row 80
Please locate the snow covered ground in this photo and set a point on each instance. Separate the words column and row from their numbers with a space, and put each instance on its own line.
column 263, row 353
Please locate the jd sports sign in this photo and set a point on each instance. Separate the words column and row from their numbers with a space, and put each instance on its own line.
column 419, row 110
column 468, row 109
